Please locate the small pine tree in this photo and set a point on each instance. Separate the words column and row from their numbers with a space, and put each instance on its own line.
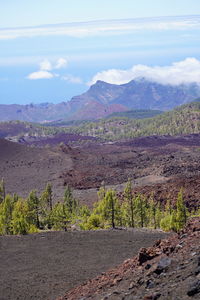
column 19, row 218
column 69, row 201
column 102, row 191
column 49, row 196
column 140, row 209
column 128, row 195
column 46, row 202
column 33, row 209
column 181, row 211
column 152, row 213
column 107, row 208
column 2, row 191
column 168, row 207
column 6, row 209
column 60, row 217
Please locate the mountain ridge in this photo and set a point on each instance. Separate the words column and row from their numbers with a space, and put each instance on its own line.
column 103, row 99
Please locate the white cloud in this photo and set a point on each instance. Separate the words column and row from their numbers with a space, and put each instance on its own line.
column 186, row 71
column 97, row 28
column 40, row 75
column 72, row 79
column 45, row 65
column 61, row 63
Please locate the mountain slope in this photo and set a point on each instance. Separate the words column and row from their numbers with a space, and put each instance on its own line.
column 182, row 120
column 103, row 99
column 139, row 94
column 136, row 114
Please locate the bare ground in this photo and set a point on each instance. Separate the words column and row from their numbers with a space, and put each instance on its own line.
column 170, row 270
column 147, row 161
column 44, row 266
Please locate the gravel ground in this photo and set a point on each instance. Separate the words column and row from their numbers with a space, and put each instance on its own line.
column 46, row 265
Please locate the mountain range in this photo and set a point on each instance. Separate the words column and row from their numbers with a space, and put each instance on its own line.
column 103, row 99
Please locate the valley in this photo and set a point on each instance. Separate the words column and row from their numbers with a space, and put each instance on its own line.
column 160, row 157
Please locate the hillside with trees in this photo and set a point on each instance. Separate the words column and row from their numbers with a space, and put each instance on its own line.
column 182, row 120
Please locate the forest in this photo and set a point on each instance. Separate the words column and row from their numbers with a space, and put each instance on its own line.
column 182, row 120
column 127, row 125
column 37, row 213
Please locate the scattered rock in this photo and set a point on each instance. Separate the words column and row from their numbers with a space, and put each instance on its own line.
column 194, row 288
column 183, row 236
column 152, row 297
column 146, row 254
column 197, row 270
column 198, row 260
column 179, row 246
column 131, row 286
column 162, row 265
column 150, row 284
column 140, row 281
column 147, row 267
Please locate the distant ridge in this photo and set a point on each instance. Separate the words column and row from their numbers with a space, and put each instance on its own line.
column 103, row 99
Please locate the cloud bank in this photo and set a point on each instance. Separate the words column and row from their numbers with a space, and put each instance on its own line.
column 186, row 71
column 107, row 27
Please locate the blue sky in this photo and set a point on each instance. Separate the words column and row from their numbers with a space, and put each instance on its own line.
column 53, row 50
column 36, row 12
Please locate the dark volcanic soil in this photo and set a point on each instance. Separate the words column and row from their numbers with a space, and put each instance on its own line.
column 25, row 168
column 146, row 160
column 169, row 190
column 170, row 270
column 44, row 266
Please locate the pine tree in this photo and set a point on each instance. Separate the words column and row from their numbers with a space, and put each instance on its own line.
column 108, row 207
column 46, row 206
column 20, row 223
column 168, row 207
column 128, row 195
column 33, row 209
column 2, row 191
column 49, row 196
column 102, row 191
column 6, row 209
column 60, row 217
column 69, row 201
column 181, row 214
column 152, row 213
column 140, row 209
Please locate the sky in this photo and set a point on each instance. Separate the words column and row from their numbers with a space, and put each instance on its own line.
column 53, row 50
